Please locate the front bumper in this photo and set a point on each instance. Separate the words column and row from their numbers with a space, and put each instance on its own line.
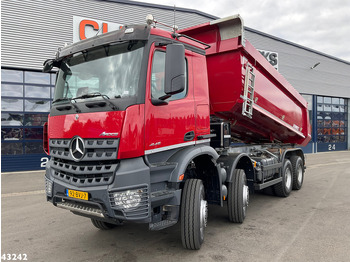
column 131, row 174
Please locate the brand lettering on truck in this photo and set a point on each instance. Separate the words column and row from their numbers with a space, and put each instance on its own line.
column 109, row 134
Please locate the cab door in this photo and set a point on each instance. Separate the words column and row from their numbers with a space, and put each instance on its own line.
column 170, row 124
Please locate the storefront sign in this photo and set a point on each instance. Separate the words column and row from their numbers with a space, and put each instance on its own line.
column 270, row 56
column 86, row 27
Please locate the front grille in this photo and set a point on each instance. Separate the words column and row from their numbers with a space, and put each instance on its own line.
column 138, row 212
column 92, row 175
column 96, row 149
column 97, row 166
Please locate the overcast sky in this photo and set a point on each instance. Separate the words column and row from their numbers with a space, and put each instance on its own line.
column 322, row 25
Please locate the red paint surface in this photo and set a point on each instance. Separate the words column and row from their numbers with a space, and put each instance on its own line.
column 279, row 106
column 88, row 125
column 166, row 125
column 128, row 124
column 131, row 143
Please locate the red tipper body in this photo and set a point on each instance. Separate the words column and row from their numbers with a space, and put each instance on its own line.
column 278, row 112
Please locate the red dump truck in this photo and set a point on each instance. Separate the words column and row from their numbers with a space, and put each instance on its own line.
column 151, row 126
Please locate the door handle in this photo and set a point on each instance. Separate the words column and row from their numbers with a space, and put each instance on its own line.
column 189, row 136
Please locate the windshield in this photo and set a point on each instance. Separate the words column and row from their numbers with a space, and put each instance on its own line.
column 112, row 71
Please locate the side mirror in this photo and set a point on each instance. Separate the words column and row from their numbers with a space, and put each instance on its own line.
column 174, row 69
column 48, row 65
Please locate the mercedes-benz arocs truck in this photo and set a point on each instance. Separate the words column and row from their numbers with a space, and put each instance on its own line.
column 151, row 126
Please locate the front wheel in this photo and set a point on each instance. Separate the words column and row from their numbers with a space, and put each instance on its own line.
column 284, row 187
column 194, row 214
column 238, row 197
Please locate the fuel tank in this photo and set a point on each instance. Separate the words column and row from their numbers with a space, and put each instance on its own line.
column 246, row 90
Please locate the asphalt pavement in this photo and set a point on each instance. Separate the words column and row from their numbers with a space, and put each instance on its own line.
column 312, row 224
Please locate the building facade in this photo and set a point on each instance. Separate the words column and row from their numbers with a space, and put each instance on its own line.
column 33, row 30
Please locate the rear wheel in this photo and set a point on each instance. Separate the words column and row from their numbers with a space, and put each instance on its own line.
column 284, row 187
column 194, row 214
column 102, row 225
column 238, row 197
column 298, row 172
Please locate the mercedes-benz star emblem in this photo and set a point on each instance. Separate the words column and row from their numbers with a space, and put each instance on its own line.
column 77, row 148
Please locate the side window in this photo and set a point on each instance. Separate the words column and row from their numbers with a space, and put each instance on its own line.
column 157, row 77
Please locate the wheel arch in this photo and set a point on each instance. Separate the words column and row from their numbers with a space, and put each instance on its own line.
column 200, row 163
column 235, row 161
column 184, row 157
column 293, row 152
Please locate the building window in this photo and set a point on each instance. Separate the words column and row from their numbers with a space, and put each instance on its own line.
column 32, row 105
column 13, row 76
column 11, row 104
column 37, row 78
column 25, row 103
column 34, row 119
column 11, row 148
column 332, row 121
column 11, row 133
column 11, row 119
column 37, row 91
column 12, row 90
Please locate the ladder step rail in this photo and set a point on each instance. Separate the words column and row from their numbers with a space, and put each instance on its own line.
column 248, row 94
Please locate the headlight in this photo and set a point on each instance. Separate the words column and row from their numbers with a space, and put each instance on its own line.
column 48, row 187
column 128, row 199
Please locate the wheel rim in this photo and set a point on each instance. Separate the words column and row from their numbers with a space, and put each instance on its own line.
column 288, row 178
column 203, row 216
column 245, row 198
column 300, row 174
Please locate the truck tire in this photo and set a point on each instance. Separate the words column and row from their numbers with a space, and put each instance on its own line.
column 298, row 172
column 283, row 188
column 238, row 197
column 194, row 214
column 102, row 225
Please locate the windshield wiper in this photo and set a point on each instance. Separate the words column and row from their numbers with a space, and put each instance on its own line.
column 97, row 94
column 89, row 95
column 61, row 99
column 77, row 109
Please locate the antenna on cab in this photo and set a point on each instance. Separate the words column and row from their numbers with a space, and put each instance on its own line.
column 175, row 26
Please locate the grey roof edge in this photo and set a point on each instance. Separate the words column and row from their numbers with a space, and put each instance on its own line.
column 164, row 7
column 296, row 45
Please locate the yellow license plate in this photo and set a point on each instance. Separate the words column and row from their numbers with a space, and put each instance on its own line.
column 77, row 194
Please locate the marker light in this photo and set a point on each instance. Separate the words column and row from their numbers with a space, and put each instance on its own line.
column 181, row 177
column 149, row 19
